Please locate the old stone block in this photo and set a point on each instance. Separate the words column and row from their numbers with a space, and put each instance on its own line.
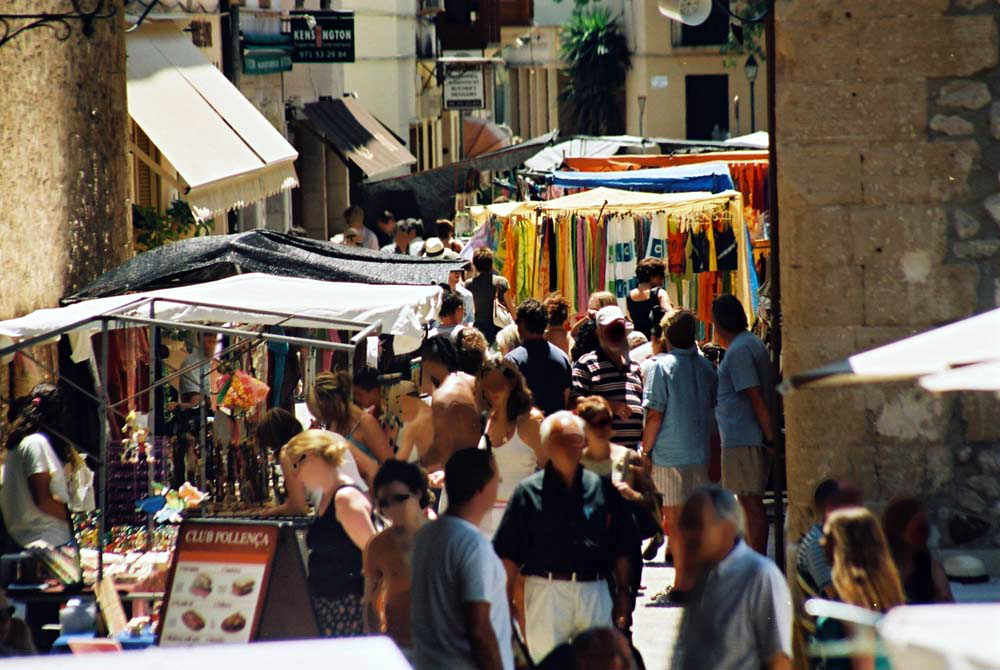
column 892, row 300
column 966, row 225
column 871, row 337
column 886, row 234
column 951, row 125
column 826, row 110
column 816, row 235
column 934, row 46
column 965, row 93
column 940, row 466
column 986, row 485
column 992, row 207
column 917, row 172
column 900, row 469
column 821, row 295
column 989, row 460
column 847, row 11
column 964, row 454
column 995, row 120
column 913, row 415
column 804, row 347
column 980, row 411
column 970, row 4
column 976, row 249
column 817, row 174
column 809, row 423
column 817, row 52
column 970, row 500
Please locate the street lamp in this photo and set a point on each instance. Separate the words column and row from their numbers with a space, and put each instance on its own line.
column 642, row 111
column 750, row 68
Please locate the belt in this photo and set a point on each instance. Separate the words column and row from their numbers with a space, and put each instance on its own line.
column 586, row 576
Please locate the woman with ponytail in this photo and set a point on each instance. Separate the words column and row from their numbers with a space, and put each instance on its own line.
column 34, row 494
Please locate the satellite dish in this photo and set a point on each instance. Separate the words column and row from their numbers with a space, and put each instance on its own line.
column 690, row 12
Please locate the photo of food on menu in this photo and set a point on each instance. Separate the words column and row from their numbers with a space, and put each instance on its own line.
column 212, row 603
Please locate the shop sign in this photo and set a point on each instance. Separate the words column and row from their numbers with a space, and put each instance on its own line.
column 266, row 61
column 464, row 86
column 322, row 36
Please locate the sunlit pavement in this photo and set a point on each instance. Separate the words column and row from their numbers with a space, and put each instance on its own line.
column 654, row 629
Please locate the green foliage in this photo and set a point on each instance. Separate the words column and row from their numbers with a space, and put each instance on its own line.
column 746, row 38
column 597, row 59
column 153, row 229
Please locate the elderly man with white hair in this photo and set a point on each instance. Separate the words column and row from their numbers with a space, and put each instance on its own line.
column 740, row 611
column 568, row 532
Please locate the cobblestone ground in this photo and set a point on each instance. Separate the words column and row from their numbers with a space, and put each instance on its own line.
column 654, row 629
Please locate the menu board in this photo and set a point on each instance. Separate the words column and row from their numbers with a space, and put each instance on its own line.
column 218, row 583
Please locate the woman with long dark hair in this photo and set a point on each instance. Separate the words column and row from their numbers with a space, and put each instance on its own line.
column 512, row 431
column 34, row 495
column 907, row 529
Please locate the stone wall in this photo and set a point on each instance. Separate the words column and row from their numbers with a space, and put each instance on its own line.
column 888, row 121
column 63, row 191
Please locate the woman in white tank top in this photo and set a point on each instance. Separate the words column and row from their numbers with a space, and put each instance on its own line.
column 512, row 431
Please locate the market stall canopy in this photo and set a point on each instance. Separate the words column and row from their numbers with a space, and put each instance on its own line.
column 611, row 199
column 712, row 177
column 400, row 310
column 551, row 158
column 225, row 153
column 201, row 259
column 638, row 161
column 941, row 352
column 758, row 139
column 430, row 194
column 357, row 136
column 481, row 136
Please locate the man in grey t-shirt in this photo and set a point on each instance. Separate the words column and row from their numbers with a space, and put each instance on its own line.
column 740, row 612
column 459, row 615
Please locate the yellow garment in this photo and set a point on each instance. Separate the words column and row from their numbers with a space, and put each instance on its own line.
column 713, row 262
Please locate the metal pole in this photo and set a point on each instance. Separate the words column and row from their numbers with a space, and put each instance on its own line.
column 154, row 362
column 753, row 113
column 775, row 283
column 202, row 433
column 102, row 436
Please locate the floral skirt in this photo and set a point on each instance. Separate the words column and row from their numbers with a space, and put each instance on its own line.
column 339, row 617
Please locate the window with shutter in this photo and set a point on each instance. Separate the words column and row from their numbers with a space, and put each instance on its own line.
column 147, row 182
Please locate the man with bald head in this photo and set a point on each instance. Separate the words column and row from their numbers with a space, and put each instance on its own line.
column 568, row 533
column 455, row 410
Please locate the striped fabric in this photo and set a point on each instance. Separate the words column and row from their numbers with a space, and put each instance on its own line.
column 595, row 374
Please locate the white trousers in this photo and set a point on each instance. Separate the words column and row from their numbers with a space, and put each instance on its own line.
column 557, row 610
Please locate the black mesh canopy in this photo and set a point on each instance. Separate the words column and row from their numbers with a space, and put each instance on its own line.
column 203, row 259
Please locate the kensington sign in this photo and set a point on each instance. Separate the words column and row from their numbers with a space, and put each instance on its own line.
column 322, row 36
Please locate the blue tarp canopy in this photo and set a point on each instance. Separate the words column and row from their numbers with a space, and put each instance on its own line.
column 711, row 177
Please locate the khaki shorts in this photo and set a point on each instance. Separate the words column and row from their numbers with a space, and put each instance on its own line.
column 676, row 484
column 745, row 469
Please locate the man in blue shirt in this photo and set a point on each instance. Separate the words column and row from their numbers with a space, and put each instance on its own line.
column 545, row 367
column 679, row 397
column 746, row 389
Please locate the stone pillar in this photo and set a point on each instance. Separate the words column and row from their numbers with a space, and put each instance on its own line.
column 887, row 154
column 64, row 188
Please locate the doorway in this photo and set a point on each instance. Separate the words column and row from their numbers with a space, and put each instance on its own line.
column 707, row 106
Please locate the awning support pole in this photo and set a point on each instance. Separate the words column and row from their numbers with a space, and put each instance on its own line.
column 102, row 434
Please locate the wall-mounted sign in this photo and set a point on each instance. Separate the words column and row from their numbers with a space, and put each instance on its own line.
column 659, row 81
column 322, row 36
column 464, row 86
column 264, row 60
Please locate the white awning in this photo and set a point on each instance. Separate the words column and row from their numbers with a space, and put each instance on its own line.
column 227, row 155
column 402, row 311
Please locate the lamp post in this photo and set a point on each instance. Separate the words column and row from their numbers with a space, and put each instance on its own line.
column 642, row 111
column 750, row 68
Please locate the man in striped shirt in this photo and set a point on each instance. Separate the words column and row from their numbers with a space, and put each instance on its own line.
column 609, row 372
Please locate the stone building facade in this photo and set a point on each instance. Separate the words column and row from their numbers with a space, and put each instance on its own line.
column 888, row 140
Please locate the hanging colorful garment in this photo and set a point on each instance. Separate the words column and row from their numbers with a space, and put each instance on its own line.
column 542, row 281
column 656, row 246
column 581, row 265
column 706, row 294
column 621, row 256
column 725, row 244
column 676, row 243
column 699, row 248
column 713, row 265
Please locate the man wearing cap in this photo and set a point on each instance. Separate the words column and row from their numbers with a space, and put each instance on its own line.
column 610, row 373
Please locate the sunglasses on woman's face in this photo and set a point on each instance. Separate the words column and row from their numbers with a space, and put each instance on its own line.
column 388, row 501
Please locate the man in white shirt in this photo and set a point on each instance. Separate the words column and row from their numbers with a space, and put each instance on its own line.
column 458, row 606
column 355, row 218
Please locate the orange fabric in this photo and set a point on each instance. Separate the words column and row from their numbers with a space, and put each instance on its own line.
column 614, row 163
column 706, row 294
